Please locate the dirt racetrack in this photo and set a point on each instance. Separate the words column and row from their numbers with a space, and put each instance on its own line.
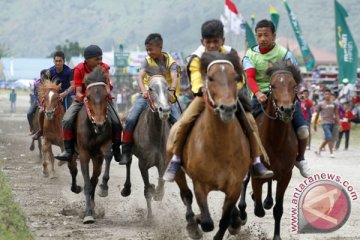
column 52, row 210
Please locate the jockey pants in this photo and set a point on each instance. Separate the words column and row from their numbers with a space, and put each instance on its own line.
column 30, row 114
column 70, row 117
column 139, row 106
column 187, row 121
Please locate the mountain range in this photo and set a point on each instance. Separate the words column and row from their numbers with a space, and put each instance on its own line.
column 33, row 28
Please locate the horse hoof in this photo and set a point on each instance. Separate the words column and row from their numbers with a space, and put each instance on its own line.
column 88, row 220
column 259, row 212
column 207, row 226
column 277, row 238
column 234, row 231
column 125, row 192
column 76, row 189
column 268, row 204
column 194, row 231
column 32, row 147
column 53, row 176
column 102, row 192
column 46, row 174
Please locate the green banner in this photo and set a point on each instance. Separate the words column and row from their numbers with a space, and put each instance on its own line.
column 250, row 39
column 347, row 53
column 275, row 17
column 309, row 59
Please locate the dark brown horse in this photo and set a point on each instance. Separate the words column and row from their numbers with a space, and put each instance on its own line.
column 150, row 136
column 93, row 137
column 279, row 139
column 52, row 126
column 216, row 155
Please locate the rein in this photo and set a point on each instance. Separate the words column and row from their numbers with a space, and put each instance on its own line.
column 86, row 104
column 207, row 96
column 276, row 107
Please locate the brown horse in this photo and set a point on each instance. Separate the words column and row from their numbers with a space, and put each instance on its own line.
column 216, row 155
column 52, row 126
column 93, row 137
column 279, row 139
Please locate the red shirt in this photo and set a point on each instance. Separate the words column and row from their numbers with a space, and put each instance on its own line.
column 80, row 72
column 306, row 106
column 345, row 122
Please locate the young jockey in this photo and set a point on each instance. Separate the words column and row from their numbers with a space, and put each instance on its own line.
column 255, row 63
column 35, row 101
column 212, row 33
column 93, row 58
column 59, row 72
column 157, row 62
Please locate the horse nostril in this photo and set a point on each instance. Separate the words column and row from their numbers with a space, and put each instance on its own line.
column 282, row 109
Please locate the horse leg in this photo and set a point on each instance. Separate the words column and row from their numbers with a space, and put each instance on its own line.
column 159, row 191
column 268, row 202
column 97, row 166
column 32, row 145
column 84, row 161
column 103, row 187
column 127, row 185
column 242, row 203
column 61, row 145
column 228, row 210
column 74, row 171
column 257, row 188
column 205, row 220
column 52, row 162
column 187, row 198
column 45, row 151
column 278, row 208
column 40, row 148
column 149, row 189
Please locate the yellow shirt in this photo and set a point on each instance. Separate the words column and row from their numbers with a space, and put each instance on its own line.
column 194, row 69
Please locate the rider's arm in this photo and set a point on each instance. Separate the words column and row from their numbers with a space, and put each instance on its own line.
column 78, row 81
column 141, row 83
column 251, row 79
column 174, row 72
column 195, row 76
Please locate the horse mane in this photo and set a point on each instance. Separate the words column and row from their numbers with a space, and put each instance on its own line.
column 285, row 66
column 98, row 74
column 232, row 56
column 45, row 86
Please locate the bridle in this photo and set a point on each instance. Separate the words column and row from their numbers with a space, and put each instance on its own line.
column 86, row 103
column 278, row 110
column 209, row 100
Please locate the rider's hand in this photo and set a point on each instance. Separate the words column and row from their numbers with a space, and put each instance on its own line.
column 79, row 98
column 145, row 94
column 261, row 97
column 172, row 96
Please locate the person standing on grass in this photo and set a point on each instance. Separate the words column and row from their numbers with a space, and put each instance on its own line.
column 329, row 116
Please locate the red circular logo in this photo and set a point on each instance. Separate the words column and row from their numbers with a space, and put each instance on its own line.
column 325, row 206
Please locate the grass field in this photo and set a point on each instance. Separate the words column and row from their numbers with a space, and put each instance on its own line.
column 12, row 220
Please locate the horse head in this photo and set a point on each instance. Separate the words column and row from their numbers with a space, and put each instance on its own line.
column 221, row 73
column 284, row 79
column 49, row 95
column 96, row 99
column 159, row 96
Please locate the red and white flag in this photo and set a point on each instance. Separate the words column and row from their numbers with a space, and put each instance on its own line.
column 231, row 19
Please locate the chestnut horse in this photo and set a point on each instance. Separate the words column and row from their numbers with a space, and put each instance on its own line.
column 52, row 126
column 150, row 136
column 93, row 137
column 216, row 154
column 279, row 139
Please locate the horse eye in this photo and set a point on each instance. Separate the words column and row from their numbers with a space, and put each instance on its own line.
column 210, row 78
column 150, row 89
column 238, row 78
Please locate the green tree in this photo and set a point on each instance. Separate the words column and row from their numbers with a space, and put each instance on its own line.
column 71, row 49
column 4, row 50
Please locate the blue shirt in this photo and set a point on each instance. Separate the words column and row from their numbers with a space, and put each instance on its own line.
column 65, row 77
